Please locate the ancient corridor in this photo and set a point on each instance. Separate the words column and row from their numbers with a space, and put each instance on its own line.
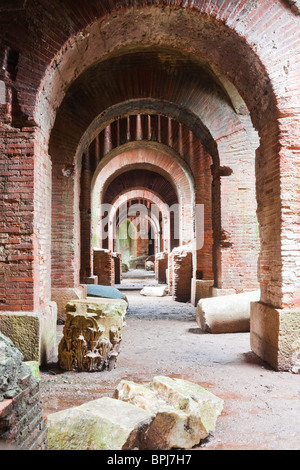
column 160, row 136
column 161, row 336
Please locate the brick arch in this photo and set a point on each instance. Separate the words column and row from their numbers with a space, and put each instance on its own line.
column 220, row 125
column 153, row 198
column 220, row 116
column 145, row 179
column 235, row 152
column 161, row 162
column 208, row 111
column 200, row 33
column 117, row 216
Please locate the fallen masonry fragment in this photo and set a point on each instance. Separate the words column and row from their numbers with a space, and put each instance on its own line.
column 164, row 414
column 104, row 424
column 108, row 292
column 226, row 314
column 184, row 412
column 154, row 291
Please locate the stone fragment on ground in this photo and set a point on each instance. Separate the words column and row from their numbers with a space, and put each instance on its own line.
column 103, row 424
column 226, row 314
column 184, row 412
column 149, row 266
column 108, row 292
column 92, row 334
column 164, row 414
column 154, row 291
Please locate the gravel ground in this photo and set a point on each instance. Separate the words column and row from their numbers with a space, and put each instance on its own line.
column 161, row 337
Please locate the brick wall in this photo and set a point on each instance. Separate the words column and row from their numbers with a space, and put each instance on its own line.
column 104, row 267
column 22, row 425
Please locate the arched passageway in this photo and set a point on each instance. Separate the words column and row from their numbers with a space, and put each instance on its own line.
column 207, row 66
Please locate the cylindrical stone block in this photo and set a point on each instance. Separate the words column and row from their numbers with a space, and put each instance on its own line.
column 226, row 314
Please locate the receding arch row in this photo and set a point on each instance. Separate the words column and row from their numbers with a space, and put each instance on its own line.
column 230, row 37
column 163, row 163
column 160, row 207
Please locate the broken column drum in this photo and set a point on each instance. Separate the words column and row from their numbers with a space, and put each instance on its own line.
column 92, row 334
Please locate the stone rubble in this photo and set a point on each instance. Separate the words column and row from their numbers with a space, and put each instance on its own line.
column 154, row 291
column 184, row 412
column 164, row 414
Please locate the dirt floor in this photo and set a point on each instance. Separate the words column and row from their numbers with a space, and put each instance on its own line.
column 161, row 337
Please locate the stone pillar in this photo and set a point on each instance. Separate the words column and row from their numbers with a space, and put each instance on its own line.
column 236, row 236
column 200, row 289
column 161, row 265
column 86, row 263
column 182, row 265
column 275, row 320
column 169, row 273
column 25, row 231
column 117, row 258
column 65, row 242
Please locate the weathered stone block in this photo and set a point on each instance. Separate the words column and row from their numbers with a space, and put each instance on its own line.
column 104, row 424
column 11, row 368
column 275, row 336
column 184, row 412
column 21, row 422
column 149, row 266
column 154, row 291
column 108, row 292
column 167, row 413
column 89, row 280
column 200, row 289
column 216, row 292
column 92, row 334
column 226, row 314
